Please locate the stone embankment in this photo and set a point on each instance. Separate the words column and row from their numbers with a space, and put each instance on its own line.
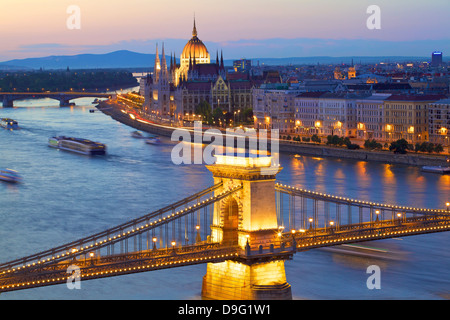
column 114, row 110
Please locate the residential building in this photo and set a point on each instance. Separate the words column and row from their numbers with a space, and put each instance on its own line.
column 406, row 117
column 307, row 113
column 274, row 107
column 370, row 117
column 439, row 122
column 326, row 113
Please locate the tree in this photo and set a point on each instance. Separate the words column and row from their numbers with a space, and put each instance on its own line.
column 247, row 115
column 372, row 144
column 438, row 148
column 217, row 115
column 338, row 141
column 204, row 109
column 428, row 147
column 400, row 146
column 315, row 138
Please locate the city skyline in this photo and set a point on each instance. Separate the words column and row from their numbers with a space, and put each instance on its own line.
column 249, row 30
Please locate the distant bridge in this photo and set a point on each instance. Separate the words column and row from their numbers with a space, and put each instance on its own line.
column 64, row 98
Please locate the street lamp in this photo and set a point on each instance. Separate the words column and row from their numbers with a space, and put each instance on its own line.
column 173, row 243
column 310, row 223
column 331, row 226
column 399, row 215
column 198, row 238
column 447, row 204
column 154, row 242
column 377, row 212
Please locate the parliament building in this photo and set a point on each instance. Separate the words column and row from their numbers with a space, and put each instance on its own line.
column 175, row 88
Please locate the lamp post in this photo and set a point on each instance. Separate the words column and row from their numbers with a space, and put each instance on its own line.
column 331, row 226
column 198, row 238
column 173, row 243
column 399, row 215
column 154, row 239
column 247, row 246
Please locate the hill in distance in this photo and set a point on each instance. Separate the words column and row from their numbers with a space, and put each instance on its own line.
column 129, row 59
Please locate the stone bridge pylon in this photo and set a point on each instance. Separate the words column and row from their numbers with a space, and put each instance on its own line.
column 247, row 217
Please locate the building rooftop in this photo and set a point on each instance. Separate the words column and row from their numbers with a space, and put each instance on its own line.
column 442, row 101
column 416, row 97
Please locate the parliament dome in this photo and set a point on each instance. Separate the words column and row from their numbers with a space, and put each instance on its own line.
column 195, row 49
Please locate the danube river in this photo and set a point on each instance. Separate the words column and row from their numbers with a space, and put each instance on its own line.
column 64, row 196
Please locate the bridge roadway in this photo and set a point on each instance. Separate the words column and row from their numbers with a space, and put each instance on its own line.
column 17, row 276
column 64, row 98
column 150, row 260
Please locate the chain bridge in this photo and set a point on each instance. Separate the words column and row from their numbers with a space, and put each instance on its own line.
column 244, row 228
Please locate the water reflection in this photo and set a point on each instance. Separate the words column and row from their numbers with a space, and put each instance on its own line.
column 65, row 197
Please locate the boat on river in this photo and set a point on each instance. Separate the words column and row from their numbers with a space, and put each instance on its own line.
column 9, row 175
column 152, row 140
column 436, row 169
column 77, row 145
column 9, row 124
column 137, row 134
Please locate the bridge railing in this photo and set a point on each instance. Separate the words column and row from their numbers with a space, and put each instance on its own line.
column 161, row 228
column 303, row 209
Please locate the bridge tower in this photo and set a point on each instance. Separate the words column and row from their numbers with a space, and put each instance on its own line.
column 247, row 218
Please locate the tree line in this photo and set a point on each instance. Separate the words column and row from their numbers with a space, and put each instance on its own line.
column 60, row 80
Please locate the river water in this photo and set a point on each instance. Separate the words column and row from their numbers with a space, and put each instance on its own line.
column 64, row 196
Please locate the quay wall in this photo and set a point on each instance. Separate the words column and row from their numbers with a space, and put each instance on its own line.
column 295, row 147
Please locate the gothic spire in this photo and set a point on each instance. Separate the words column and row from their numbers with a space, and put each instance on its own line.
column 194, row 31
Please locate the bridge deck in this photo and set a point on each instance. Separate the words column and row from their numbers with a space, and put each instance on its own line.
column 94, row 256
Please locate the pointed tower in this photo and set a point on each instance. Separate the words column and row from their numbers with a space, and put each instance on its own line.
column 194, row 30
column 164, row 72
column 157, row 67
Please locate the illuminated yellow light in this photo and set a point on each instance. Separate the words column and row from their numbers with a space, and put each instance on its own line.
column 265, row 161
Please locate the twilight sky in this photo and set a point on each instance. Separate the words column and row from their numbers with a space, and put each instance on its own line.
column 244, row 28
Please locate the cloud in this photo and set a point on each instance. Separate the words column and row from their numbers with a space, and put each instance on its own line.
column 36, row 46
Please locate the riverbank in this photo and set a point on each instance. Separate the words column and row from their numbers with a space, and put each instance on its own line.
column 133, row 120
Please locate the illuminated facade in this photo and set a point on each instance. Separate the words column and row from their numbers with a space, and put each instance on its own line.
column 406, row 117
column 439, row 122
column 273, row 107
column 247, row 218
column 174, row 90
column 370, row 117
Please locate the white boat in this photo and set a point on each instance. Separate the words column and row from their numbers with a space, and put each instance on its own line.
column 137, row 134
column 152, row 140
column 9, row 175
column 77, row 145
column 436, row 169
column 9, row 124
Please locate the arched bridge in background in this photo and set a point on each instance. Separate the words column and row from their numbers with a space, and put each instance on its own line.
column 64, row 98
column 244, row 228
